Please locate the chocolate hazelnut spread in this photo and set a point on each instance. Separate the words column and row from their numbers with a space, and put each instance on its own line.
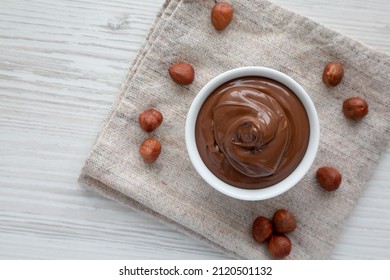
column 252, row 132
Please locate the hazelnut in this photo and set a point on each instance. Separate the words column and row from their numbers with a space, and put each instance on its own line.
column 150, row 119
column 150, row 149
column 279, row 246
column 333, row 74
column 182, row 73
column 284, row 221
column 262, row 229
column 329, row 178
column 355, row 108
column 221, row 15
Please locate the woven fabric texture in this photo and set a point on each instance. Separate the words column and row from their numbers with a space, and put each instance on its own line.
column 260, row 34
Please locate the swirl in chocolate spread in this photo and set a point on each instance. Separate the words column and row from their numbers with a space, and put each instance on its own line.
column 252, row 132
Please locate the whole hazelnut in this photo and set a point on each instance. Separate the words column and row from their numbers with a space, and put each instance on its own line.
column 329, row 178
column 221, row 15
column 355, row 108
column 182, row 73
column 262, row 229
column 150, row 150
column 279, row 246
column 284, row 221
column 150, row 119
column 333, row 74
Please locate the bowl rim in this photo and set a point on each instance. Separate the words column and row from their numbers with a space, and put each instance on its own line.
column 294, row 177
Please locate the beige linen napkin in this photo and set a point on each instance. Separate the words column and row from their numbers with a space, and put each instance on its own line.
column 261, row 34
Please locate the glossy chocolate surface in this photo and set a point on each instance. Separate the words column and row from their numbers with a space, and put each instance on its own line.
column 252, row 132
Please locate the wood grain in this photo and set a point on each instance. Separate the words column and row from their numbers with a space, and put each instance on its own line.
column 61, row 66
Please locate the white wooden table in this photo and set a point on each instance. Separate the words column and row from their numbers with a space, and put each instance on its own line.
column 61, row 65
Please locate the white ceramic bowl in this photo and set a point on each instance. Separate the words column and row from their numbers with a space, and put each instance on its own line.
column 285, row 184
